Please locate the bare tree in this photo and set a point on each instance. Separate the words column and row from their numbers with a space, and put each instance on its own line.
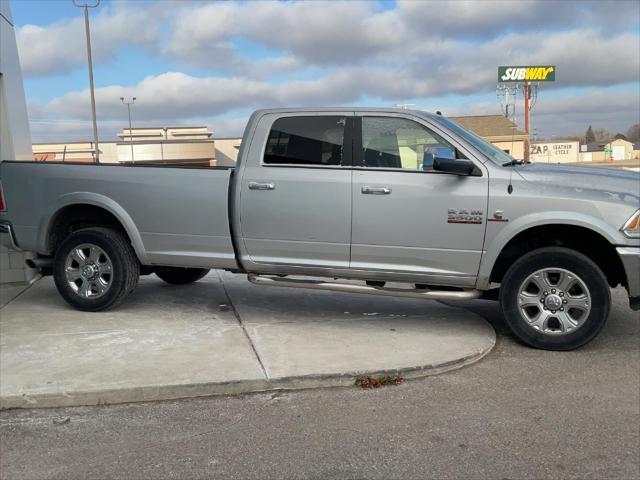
column 633, row 134
column 602, row 135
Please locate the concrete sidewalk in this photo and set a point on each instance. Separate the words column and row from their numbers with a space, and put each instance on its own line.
column 10, row 291
column 221, row 335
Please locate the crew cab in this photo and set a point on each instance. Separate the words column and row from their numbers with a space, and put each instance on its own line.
column 406, row 202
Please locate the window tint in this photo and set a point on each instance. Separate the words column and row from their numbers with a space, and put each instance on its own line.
column 306, row 141
column 389, row 142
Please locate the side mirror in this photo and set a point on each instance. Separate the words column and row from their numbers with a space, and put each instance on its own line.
column 427, row 161
column 456, row 167
column 445, row 152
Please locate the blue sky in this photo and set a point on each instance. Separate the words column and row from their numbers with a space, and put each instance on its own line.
column 197, row 62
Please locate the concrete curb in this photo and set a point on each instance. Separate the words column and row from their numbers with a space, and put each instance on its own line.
column 175, row 392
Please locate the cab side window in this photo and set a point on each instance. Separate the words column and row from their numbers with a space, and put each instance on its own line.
column 398, row 143
column 306, row 141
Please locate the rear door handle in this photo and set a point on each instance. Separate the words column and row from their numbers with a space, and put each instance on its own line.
column 376, row 190
column 261, row 186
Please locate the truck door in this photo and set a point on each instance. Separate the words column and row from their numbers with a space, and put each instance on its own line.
column 295, row 202
column 408, row 218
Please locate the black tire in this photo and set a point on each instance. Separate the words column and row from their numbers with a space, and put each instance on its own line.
column 179, row 275
column 124, row 273
column 562, row 258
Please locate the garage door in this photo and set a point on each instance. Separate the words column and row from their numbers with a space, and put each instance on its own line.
column 617, row 152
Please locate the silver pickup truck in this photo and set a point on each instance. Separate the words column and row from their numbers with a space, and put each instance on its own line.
column 405, row 202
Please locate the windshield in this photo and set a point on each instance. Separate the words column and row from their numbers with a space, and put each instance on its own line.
column 496, row 155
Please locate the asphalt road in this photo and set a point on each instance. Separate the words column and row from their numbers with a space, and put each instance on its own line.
column 518, row 413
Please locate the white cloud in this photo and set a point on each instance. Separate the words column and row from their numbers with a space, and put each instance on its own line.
column 434, row 40
column 174, row 96
column 177, row 95
column 347, row 33
column 60, row 47
column 582, row 57
column 258, row 54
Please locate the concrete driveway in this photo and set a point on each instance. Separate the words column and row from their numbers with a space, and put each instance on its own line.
column 221, row 335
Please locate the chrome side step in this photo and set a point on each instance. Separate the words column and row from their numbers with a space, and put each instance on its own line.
column 350, row 288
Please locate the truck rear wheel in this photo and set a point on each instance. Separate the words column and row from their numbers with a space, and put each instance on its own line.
column 179, row 275
column 555, row 298
column 95, row 269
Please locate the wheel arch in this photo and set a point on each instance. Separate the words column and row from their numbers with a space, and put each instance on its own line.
column 83, row 210
column 588, row 241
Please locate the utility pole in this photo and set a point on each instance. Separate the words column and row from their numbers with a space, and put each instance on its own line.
column 128, row 104
column 527, row 92
column 86, row 7
column 507, row 96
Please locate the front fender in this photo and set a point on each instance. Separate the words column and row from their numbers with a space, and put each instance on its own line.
column 98, row 200
column 521, row 224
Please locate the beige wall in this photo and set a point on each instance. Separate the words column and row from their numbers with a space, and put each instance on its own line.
column 592, row 156
column 71, row 152
column 163, row 145
column 516, row 148
column 227, row 150
column 201, row 152
column 165, row 133
column 169, row 151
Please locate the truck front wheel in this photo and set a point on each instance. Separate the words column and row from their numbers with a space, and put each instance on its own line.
column 555, row 298
column 95, row 269
column 179, row 275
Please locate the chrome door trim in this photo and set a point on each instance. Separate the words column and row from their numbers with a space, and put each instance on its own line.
column 367, row 190
column 261, row 186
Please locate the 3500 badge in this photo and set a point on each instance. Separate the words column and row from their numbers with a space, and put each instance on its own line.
column 462, row 215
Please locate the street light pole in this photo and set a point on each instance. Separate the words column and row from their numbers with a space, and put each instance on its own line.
column 128, row 104
column 86, row 7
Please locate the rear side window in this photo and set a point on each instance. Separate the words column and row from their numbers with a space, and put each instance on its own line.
column 306, row 141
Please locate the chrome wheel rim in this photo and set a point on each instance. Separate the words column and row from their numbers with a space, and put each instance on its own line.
column 89, row 271
column 554, row 301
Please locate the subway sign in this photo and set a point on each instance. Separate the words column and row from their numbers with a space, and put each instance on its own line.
column 540, row 73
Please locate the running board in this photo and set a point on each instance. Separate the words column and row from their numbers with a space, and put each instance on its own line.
column 350, row 288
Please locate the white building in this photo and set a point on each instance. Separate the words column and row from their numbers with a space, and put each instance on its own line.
column 15, row 137
column 555, row 152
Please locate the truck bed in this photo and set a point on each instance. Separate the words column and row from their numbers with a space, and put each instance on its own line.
column 173, row 216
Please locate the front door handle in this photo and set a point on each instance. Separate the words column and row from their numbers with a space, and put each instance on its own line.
column 261, row 186
column 376, row 190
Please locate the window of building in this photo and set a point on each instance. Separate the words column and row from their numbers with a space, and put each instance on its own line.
column 306, row 141
column 389, row 142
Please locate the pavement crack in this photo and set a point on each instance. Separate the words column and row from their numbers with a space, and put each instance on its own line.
column 27, row 287
column 244, row 328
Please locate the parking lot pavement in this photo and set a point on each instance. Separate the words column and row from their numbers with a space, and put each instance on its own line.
column 518, row 413
column 221, row 337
